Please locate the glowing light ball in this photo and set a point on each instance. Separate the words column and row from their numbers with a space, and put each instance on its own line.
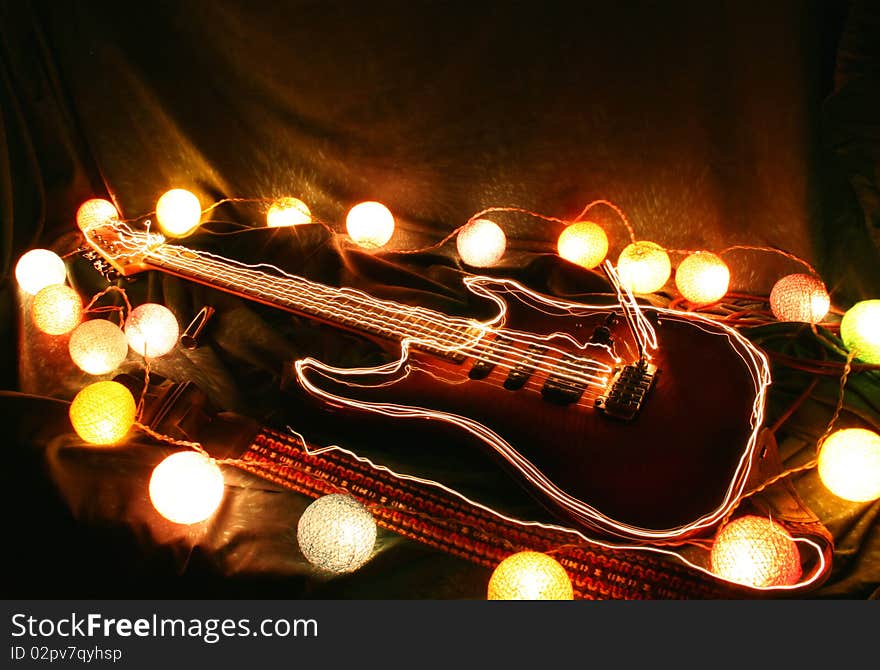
column 584, row 244
column 702, row 278
column 860, row 330
column 370, row 224
column 755, row 551
column 530, row 575
column 95, row 212
column 849, row 464
column 151, row 330
column 39, row 268
column 336, row 533
column 644, row 267
column 57, row 309
column 186, row 487
column 288, row 212
column 97, row 346
column 179, row 212
column 800, row 297
column 102, row 413
column 481, row 243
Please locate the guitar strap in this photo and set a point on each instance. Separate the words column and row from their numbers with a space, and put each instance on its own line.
column 446, row 522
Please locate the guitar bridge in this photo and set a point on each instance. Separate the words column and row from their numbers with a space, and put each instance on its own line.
column 626, row 393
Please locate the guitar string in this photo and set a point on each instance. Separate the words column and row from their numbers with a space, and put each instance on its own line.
column 483, row 351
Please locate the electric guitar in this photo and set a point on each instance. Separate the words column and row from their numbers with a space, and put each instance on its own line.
column 626, row 420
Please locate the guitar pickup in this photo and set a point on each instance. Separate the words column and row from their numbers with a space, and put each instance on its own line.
column 561, row 388
column 626, row 393
column 522, row 371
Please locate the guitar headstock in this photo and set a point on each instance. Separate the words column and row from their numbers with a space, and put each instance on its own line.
column 114, row 245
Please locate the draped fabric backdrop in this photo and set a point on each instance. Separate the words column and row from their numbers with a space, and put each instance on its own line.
column 709, row 124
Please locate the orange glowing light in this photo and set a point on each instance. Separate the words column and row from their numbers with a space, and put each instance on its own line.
column 178, row 212
column 57, row 309
column 530, row 575
column 755, row 551
column 102, row 413
column 849, row 464
column 288, row 212
column 481, row 243
column 370, row 224
column 95, row 212
column 702, row 278
column 644, row 267
column 583, row 243
column 186, row 487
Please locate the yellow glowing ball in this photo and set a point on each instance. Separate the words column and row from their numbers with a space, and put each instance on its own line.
column 370, row 224
column 530, row 575
column 97, row 346
column 95, row 212
column 849, row 464
column 103, row 413
column 152, row 330
column 336, row 533
column 186, row 487
column 644, row 267
column 179, row 212
column 755, row 551
column 481, row 243
column 288, row 212
column 57, row 309
column 584, row 244
column 39, row 268
column 860, row 330
column 702, row 278
column 801, row 298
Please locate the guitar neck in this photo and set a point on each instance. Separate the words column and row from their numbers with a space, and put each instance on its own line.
column 345, row 308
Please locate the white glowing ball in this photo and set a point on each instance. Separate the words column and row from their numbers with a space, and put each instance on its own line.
column 336, row 533
column 39, row 268
column 102, row 413
column 481, row 243
column 97, row 346
column 800, row 298
column 370, row 224
column 186, row 487
column 152, row 330
column 849, row 464
column 644, row 267
column 702, row 278
column 288, row 212
column 755, row 551
column 530, row 575
column 584, row 243
column 179, row 212
column 95, row 212
column 57, row 309
column 860, row 330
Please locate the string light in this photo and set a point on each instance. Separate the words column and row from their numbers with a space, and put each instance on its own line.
column 583, row 243
column 800, row 298
column 97, row 346
column 702, row 278
column 57, row 309
column 849, row 464
column 178, row 212
column 102, row 413
column 644, row 267
column 860, row 330
column 39, row 268
column 755, row 551
column 481, row 243
column 288, row 212
column 530, row 575
column 336, row 533
column 95, row 212
column 152, row 330
column 370, row 224
column 186, row 487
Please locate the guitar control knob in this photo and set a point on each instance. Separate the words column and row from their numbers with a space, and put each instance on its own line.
column 602, row 334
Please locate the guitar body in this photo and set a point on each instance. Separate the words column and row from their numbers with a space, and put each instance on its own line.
column 671, row 471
